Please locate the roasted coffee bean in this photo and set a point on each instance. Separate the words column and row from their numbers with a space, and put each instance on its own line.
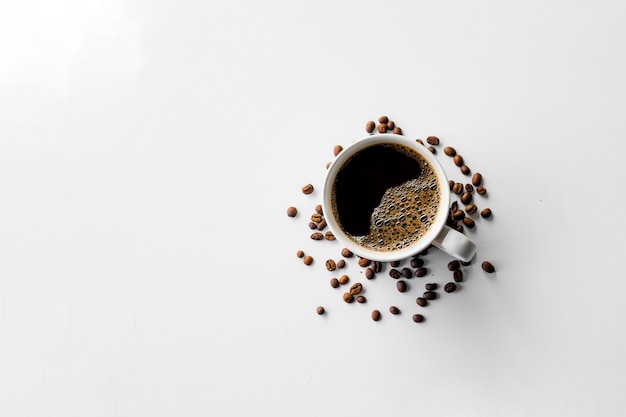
column 344, row 279
column 432, row 150
column 394, row 264
column 433, row 140
column 481, row 190
column 469, row 188
column 477, row 179
column 394, row 310
column 431, row 286
column 471, row 208
column 312, row 225
column 317, row 236
column 466, row 198
column 420, row 272
column 430, row 295
column 331, row 265
column 347, row 297
column 369, row 273
column 377, row 266
column 308, row 260
column 375, row 315
column 451, row 184
column 419, row 141
column 397, row 130
column 418, row 318
column 300, row 254
column 486, row 213
column 449, row 287
column 292, row 211
column 417, row 262
column 308, row 189
column 316, row 217
column 457, row 188
column 458, row 160
column 454, row 206
column 383, row 119
column 465, row 170
column 466, row 263
column 454, row 265
column 449, row 150
column 337, row 149
column 318, row 209
column 458, row 215
column 469, row 222
column 321, row 225
column 334, row 282
column 459, row 228
column 320, row 310
column 370, row 126
column 488, row 267
column 361, row 299
column 458, row 275
column 382, row 128
column 424, row 252
column 329, row 235
column 346, row 253
column 341, row 263
column 406, row 273
column 401, row 286
column 421, row 301
column 356, row 288
column 391, row 125
column 363, row 262
column 394, row 273
column 328, row 164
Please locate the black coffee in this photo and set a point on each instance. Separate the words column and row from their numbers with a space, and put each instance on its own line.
column 385, row 197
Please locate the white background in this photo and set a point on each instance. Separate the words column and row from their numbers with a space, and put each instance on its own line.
column 148, row 153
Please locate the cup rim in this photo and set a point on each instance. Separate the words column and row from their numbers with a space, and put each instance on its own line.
column 381, row 256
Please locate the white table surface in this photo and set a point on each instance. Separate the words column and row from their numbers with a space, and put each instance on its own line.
column 149, row 151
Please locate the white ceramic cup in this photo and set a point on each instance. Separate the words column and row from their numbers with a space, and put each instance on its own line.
column 438, row 234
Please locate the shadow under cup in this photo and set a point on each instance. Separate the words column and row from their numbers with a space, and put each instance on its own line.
column 386, row 197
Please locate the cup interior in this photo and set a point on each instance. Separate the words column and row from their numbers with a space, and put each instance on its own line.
column 379, row 255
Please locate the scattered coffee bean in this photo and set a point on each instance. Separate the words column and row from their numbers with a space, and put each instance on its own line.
column 328, row 164
column 465, row 170
column 382, row 128
column 321, row 225
column 308, row 260
column 451, row 184
column 377, row 266
column 356, row 288
column 401, row 286
column 369, row 273
column 344, row 279
column 397, row 130
column 394, row 310
column 417, row 262
column 418, row 318
column 457, row 188
column 316, row 217
column 449, row 287
column 317, row 236
column 458, row 215
column 469, row 188
column 432, row 150
column 331, row 265
column 458, row 160
column 421, row 301
column 318, row 209
column 488, row 267
column 395, row 264
column 406, row 273
column 363, row 262
column 347, row 297
column 292, row 211
column 469, row 222
column 329, row 235
column 481, row 190
column 477, row 179
column 486, row 213
column 420, row 272
column 391, row 125
column 454, row 265
column 471, row 208
column 433, row 140
column 370, row 126
column 375, row 315
column 454, row 206
column 337, row 149
column 458, row 275
column 307, row 189
column 346, row 253
column 312, row 225
column 466, row 198
column 431, row 286
column 383, row 119
column 394, row 273
column 361, row 299
column 334, row 282
column 430, row 295
column 341, row 263
column 320, row 310
column 459, row 228
column 300, row 254
column 449, row 150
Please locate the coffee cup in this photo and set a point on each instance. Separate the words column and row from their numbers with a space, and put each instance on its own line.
column 386, row 198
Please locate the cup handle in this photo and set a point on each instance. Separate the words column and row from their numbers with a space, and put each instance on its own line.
column 455, row 243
